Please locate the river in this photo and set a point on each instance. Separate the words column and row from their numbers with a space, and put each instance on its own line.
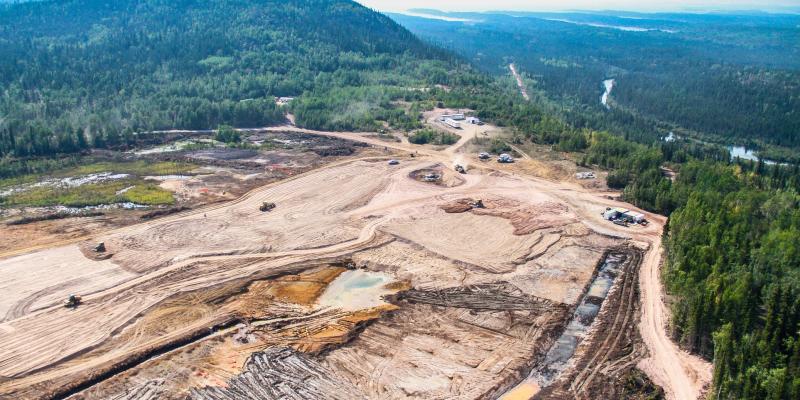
column 735, row 151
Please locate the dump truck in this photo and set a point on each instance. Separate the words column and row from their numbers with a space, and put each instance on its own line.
column 266, row 206
column 72, row 301
column 460, row 169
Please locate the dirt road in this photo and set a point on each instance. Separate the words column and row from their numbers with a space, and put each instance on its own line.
column 682, row 375
column 520, row 83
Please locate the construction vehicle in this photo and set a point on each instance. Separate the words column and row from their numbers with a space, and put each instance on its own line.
column 431, row 177
column 394, row 162
column 100, row 248
column 72, row 301
column 484, row 156
column 266, row 206
column 460, row 169
column 505, row 158
column 477, row 204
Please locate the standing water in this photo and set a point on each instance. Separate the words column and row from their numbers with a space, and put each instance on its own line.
column 557, row 359
column 748, row 154
column 356, row 290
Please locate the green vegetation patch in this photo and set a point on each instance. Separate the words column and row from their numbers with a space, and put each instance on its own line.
column 141, row 167
column 137, row 168
column 138, row 191
column 428, row 135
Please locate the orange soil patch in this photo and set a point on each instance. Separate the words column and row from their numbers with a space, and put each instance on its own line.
column 338, row 332
column 303, row 289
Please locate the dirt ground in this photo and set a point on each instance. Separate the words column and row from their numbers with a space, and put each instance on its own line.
column 224, row 174
column 188, row 304
column 605, row 364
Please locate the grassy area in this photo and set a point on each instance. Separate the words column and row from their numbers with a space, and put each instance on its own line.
column 433, row 136
column 140, row 192
column 137, row 168
column 140, row 168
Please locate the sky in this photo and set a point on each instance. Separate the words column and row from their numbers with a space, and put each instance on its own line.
column 561, row 5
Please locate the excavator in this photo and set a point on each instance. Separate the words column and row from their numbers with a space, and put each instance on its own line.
column 266, row 206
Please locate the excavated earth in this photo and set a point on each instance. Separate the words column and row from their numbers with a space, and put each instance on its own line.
column 363, row 282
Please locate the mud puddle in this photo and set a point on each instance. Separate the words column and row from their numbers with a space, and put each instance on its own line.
column 356, row 290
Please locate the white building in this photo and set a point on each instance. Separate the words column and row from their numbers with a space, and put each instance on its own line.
column 282, row 101
column 454, row 117
column 452, row 123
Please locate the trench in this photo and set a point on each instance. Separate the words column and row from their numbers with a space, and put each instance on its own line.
column 561, row 353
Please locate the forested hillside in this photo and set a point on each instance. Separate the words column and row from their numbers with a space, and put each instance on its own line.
column 88, row 73
column 727, row 78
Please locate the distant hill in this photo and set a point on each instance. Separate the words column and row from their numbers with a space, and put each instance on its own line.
column 95, row 71
column 727, row 77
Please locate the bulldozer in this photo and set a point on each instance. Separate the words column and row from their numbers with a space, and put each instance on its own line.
column 266, row 206
column 72, row 301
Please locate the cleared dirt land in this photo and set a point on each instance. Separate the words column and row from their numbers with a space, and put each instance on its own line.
column 363, row 282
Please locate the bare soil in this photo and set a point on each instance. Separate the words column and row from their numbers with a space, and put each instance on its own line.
column 203, row 301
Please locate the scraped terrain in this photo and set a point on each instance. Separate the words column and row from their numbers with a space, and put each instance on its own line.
column 229, row 298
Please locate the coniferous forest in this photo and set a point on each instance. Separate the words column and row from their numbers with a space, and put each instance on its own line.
column 85, row 73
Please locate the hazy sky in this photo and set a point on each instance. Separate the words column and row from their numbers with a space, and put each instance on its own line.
column 555, row 5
